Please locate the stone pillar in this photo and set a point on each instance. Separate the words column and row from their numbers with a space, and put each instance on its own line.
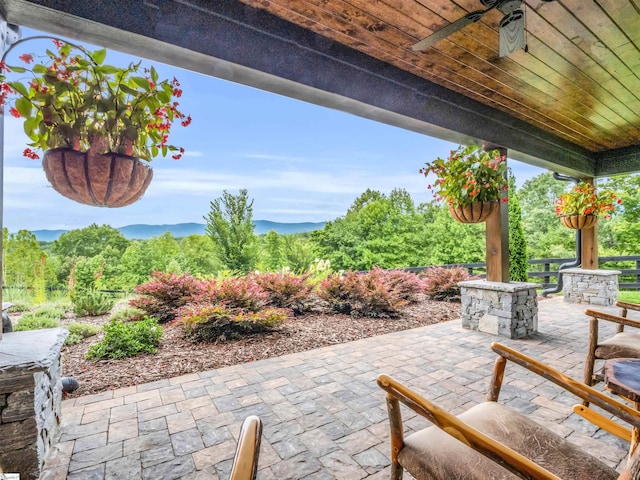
column 594, row 287
column 506, row 309
column 30, row 396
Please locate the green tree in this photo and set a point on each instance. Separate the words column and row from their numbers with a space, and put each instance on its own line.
column 199, row 255
column 90, row 241
column 273, row 251
column 546, row 237
column 298, row 253
column 22, row 260
column 518, row 266
column 230, row 227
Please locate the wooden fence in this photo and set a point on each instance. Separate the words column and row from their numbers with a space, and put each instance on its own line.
column 543, row 270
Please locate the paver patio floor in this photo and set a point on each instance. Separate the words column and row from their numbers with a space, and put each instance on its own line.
column 324, row 416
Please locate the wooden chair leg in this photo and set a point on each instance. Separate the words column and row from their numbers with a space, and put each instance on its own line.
column 397, row 436
column 590, row 361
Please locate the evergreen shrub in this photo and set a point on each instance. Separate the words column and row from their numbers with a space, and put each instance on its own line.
column 91, row 303
column 79, row 331
column 127, row 339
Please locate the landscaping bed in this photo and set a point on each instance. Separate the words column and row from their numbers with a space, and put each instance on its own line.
column 178, row 356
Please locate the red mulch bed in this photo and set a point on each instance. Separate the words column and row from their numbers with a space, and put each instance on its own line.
column 178, row 356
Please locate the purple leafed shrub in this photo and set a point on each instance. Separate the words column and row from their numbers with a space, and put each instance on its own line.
column 441, row 283
column 407, row 285
column 207, row 322
column 362, row 294
column 241, row 292
column 160, row 297
column 287, row 290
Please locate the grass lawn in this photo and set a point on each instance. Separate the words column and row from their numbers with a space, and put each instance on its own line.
column 631, row 296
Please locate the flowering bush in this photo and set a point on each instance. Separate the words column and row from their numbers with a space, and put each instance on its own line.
column 160, row 297
column 72, row 99
column 286, row 290
column 441, row 283
column 583, row 199
column 468, row 175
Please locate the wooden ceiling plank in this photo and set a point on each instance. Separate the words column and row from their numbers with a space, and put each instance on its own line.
column 617, row 117
column 579, row 36
column 344, row 22
column 463, row 81
column 519, row 77
column 575, row 60
column 625, row 15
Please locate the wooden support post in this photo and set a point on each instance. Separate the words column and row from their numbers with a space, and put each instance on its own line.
column 498, row 237
column 589, row 244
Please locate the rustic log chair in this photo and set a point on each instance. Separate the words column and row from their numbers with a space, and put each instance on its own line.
column 492, row 441
column 621, row 345
column 245, row 461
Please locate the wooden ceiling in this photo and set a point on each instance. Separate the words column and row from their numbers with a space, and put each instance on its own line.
column 571, row 103
column 579, row 80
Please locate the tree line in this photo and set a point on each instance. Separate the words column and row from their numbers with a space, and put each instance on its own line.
column 386, row 230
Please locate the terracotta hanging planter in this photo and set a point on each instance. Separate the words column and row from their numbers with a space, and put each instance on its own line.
column 579, row 222
column 475, row 213
column 101, row 180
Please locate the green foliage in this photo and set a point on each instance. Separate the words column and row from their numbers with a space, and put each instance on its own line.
column 230, row 227
column 23, row 260
column 90, row 241
column 91, row 303
column 377, row 230
column 629, row 296
column 34, row 321
column 71, row 99
column 441, row 283
column 546, row 237
column 129, row 314
column 274, row 255
column 19, row 305
column 127, row 339
column 207, row 322
column 468, row 175
column 79, row 331
column 199, row 255
column 298, row 253
column 518, row 266
column 584, row 199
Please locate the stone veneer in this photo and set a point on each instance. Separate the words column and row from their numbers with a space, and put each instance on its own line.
column 595, row 287
column 506, row 309
column 30, row 396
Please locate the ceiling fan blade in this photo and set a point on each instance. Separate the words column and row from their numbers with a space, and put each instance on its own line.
column 445, row 32
column 459, row 24
column 512, row 35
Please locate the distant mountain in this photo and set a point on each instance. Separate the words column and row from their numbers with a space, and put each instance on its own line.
column 144, row 232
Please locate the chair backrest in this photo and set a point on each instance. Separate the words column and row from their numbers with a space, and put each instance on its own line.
column 245, row 462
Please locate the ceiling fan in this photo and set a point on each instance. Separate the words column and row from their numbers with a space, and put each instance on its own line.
column 512, row 36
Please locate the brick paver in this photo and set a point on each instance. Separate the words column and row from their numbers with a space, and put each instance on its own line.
column 324, row 416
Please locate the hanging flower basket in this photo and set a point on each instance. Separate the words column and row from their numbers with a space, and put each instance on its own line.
column 100, row 180
column 475, row 213
column 579, row 222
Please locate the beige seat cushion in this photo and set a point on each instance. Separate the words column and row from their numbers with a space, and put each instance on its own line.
column 433, row 454
column 621, row 345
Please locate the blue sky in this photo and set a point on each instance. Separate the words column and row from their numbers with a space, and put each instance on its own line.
column 298, row 161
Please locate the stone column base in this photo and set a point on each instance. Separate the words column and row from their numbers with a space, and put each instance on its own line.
column 595, row 287
column 506, row 309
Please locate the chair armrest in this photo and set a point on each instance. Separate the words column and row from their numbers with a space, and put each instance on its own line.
column 628, row 306
column 612, row 318
column 450, row 424
column 245, row 462
column 620, row 410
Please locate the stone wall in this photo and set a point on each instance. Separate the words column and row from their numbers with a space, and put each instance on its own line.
column 595, row 287
column 506, row 309
column 30, row 396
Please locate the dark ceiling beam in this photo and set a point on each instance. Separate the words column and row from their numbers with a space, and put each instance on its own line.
column 230, row 40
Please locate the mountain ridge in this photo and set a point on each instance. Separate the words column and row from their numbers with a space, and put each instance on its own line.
column 145, row 232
